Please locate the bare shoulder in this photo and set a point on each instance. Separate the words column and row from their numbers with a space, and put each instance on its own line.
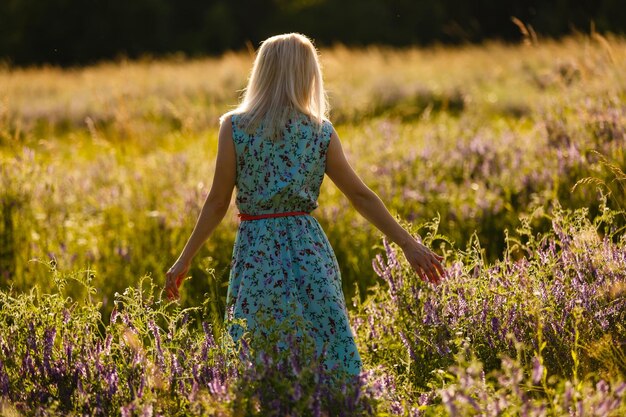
column 334, row 144
column 226, row 126
column 226, row 120
column 341, row 172
column 229, row 118
column 336, row 162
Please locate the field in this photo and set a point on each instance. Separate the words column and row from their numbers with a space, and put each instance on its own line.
column 508, row 160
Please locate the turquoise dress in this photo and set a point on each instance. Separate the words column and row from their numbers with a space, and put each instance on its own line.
column 283, row 269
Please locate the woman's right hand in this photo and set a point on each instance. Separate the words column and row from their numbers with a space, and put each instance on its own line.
column 425, row 262
column 174, row 277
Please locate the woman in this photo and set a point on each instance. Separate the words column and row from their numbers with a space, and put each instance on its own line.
column 275, row 148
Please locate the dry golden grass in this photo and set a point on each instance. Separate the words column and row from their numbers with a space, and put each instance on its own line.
column 192, row 93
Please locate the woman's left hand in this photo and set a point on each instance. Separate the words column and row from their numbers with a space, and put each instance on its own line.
column 425, row 262
column 174, row 278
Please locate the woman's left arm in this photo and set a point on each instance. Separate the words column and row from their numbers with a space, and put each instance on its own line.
column 213, row 210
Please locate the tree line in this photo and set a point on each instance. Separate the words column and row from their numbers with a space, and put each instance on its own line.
column 73, row 32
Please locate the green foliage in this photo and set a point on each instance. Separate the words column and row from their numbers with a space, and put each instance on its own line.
column 58, row 358
column 538, row 332
column 515, row 153
column 554, row 303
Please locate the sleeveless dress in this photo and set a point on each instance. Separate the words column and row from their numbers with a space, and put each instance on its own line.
column 283, row 268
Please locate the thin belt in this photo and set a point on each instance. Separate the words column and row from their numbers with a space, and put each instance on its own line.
column 246, row 217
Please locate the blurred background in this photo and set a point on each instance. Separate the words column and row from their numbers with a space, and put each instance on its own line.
column 71, row 32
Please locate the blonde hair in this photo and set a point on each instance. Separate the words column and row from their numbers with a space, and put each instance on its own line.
column 286, row 79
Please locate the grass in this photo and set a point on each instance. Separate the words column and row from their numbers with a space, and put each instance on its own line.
column 104, row 170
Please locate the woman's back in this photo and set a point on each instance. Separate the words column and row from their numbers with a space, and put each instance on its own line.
column 283, row 268
column 280, row 175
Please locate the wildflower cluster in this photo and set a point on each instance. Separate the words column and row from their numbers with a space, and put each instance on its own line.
column 544, row 323
column 57, row 355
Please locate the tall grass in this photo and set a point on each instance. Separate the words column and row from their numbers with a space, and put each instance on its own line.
column 539, row 332
column 516, row 152
column 107, row 166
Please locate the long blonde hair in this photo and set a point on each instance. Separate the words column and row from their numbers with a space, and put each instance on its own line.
column 286, row 79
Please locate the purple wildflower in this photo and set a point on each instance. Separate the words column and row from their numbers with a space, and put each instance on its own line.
column 49, row 336
column 114, row 314
column 408, row 346
column 66, row 316
column 4, row 381
column 112, row 381
column 107, row 344
column 28, row 367
column 157, row 341
column 538, row 371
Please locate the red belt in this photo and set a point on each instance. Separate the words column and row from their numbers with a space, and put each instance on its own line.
column 245, row 217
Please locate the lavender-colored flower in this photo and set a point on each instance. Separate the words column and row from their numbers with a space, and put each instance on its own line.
column 66, row 316
column 142, row 385
column 397, row 408
column 68, row 352
column 107, row 344
column 28, row 366
column 538, row 371
column 602, row 387
column 99, row 367
column 425, row 398
column 49, row 336
column 31, row 340
column 127, row 410
column 147, row 410
column 392, row 259
column 4, row 381
column 407, row 346
column 79, row 372
column 176, row 374
column 114, row 314
column 160, row 359
column 112, row 381
column 216, row 388
column 377, row 265
column 195, row 388
column 431, row 314
column 495, row 325
column 127, row 321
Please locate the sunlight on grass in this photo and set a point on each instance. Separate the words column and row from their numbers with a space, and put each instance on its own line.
column 505, row 158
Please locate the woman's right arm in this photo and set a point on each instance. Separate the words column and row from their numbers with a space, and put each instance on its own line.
column 426, row 263
column 214, row 208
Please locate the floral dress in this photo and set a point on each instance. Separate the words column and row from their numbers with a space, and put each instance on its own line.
column 284, row 267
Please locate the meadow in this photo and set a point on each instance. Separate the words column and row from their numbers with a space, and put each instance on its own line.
column 507, row 159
